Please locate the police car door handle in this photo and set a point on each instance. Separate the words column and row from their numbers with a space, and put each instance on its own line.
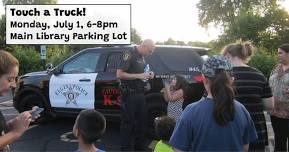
column 84, row 80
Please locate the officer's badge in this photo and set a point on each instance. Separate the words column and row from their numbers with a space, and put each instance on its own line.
column 125, row 56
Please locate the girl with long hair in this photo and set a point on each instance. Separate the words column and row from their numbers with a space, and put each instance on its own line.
column 174, row 94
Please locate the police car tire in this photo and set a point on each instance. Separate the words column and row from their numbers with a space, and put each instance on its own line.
column 36, row 101
column 155, row 109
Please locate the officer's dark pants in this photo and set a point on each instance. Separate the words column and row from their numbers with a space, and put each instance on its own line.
column 133, row 122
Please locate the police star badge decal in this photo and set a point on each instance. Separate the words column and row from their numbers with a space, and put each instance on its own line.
column 71, row 96
column 125, row 56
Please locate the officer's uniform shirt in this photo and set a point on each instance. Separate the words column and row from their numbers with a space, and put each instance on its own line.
column 132, row 62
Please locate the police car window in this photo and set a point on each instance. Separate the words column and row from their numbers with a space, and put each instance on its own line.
column 85, row 63
column 112, row 62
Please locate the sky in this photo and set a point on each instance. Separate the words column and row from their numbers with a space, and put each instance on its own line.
column 163, row 19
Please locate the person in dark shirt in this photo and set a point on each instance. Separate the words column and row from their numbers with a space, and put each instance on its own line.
column 252, row 89
column 132, row 75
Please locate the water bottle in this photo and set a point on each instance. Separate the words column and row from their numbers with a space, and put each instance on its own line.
column 147, row 84
column 147, row 70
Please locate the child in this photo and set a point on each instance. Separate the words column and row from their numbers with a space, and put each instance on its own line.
column 174, row 95
column 88, row 128
column 164, row 127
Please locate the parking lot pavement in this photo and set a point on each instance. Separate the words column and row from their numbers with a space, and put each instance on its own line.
column 270, row 133
column 56, row 135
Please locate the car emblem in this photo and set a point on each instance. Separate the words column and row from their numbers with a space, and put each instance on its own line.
column 126, row 56
column 71, row 96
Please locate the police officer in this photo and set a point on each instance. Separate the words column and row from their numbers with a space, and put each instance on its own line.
column 133, row 106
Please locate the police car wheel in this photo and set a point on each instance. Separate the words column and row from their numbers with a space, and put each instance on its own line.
column 30, row 101
column 155, row 109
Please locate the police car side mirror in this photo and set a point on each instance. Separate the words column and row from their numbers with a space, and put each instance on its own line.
column 49, row 66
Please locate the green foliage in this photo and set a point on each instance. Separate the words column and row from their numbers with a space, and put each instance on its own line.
column 135, row 37
column 79, row 47
column 58, row 53
column 224, row 11
column 277, row 28
column 246, row 26
column 159, row 43
column 264, row 23
column 180, row 43
column 198, row 44
column 170, row 41
column 2, row 31
column 29, row 59
column 264, row 61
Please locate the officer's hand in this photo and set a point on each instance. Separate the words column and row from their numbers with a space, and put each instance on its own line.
column 152, row 75
column 145, row 76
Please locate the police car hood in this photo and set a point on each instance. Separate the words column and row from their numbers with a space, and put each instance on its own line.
column 169, row 61
column 36, row 73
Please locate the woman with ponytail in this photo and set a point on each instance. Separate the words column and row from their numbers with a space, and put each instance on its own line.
column 216, row 122
column 252, row 89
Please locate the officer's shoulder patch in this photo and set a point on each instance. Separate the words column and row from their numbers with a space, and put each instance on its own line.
column 126, row 55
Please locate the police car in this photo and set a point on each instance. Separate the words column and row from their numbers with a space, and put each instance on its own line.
column 87, row 80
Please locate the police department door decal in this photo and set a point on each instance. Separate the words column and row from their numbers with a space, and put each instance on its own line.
column 72, row 90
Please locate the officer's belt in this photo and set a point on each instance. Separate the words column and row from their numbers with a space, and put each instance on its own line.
column 131, row 90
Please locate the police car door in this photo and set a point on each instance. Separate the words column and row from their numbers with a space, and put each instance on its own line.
column 74, row 87
column 109, row 94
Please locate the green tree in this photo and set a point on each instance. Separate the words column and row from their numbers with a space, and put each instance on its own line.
column 246, row 26
column 277, row 28
column 58, row 53
column 2, row 31
column 198, row 44
column 29, row 60
column 224, row 11
column 262, row 22
column 170, row 41
column 135, row 37
column 264, row 61
column 180, row 43
column 159, row 43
